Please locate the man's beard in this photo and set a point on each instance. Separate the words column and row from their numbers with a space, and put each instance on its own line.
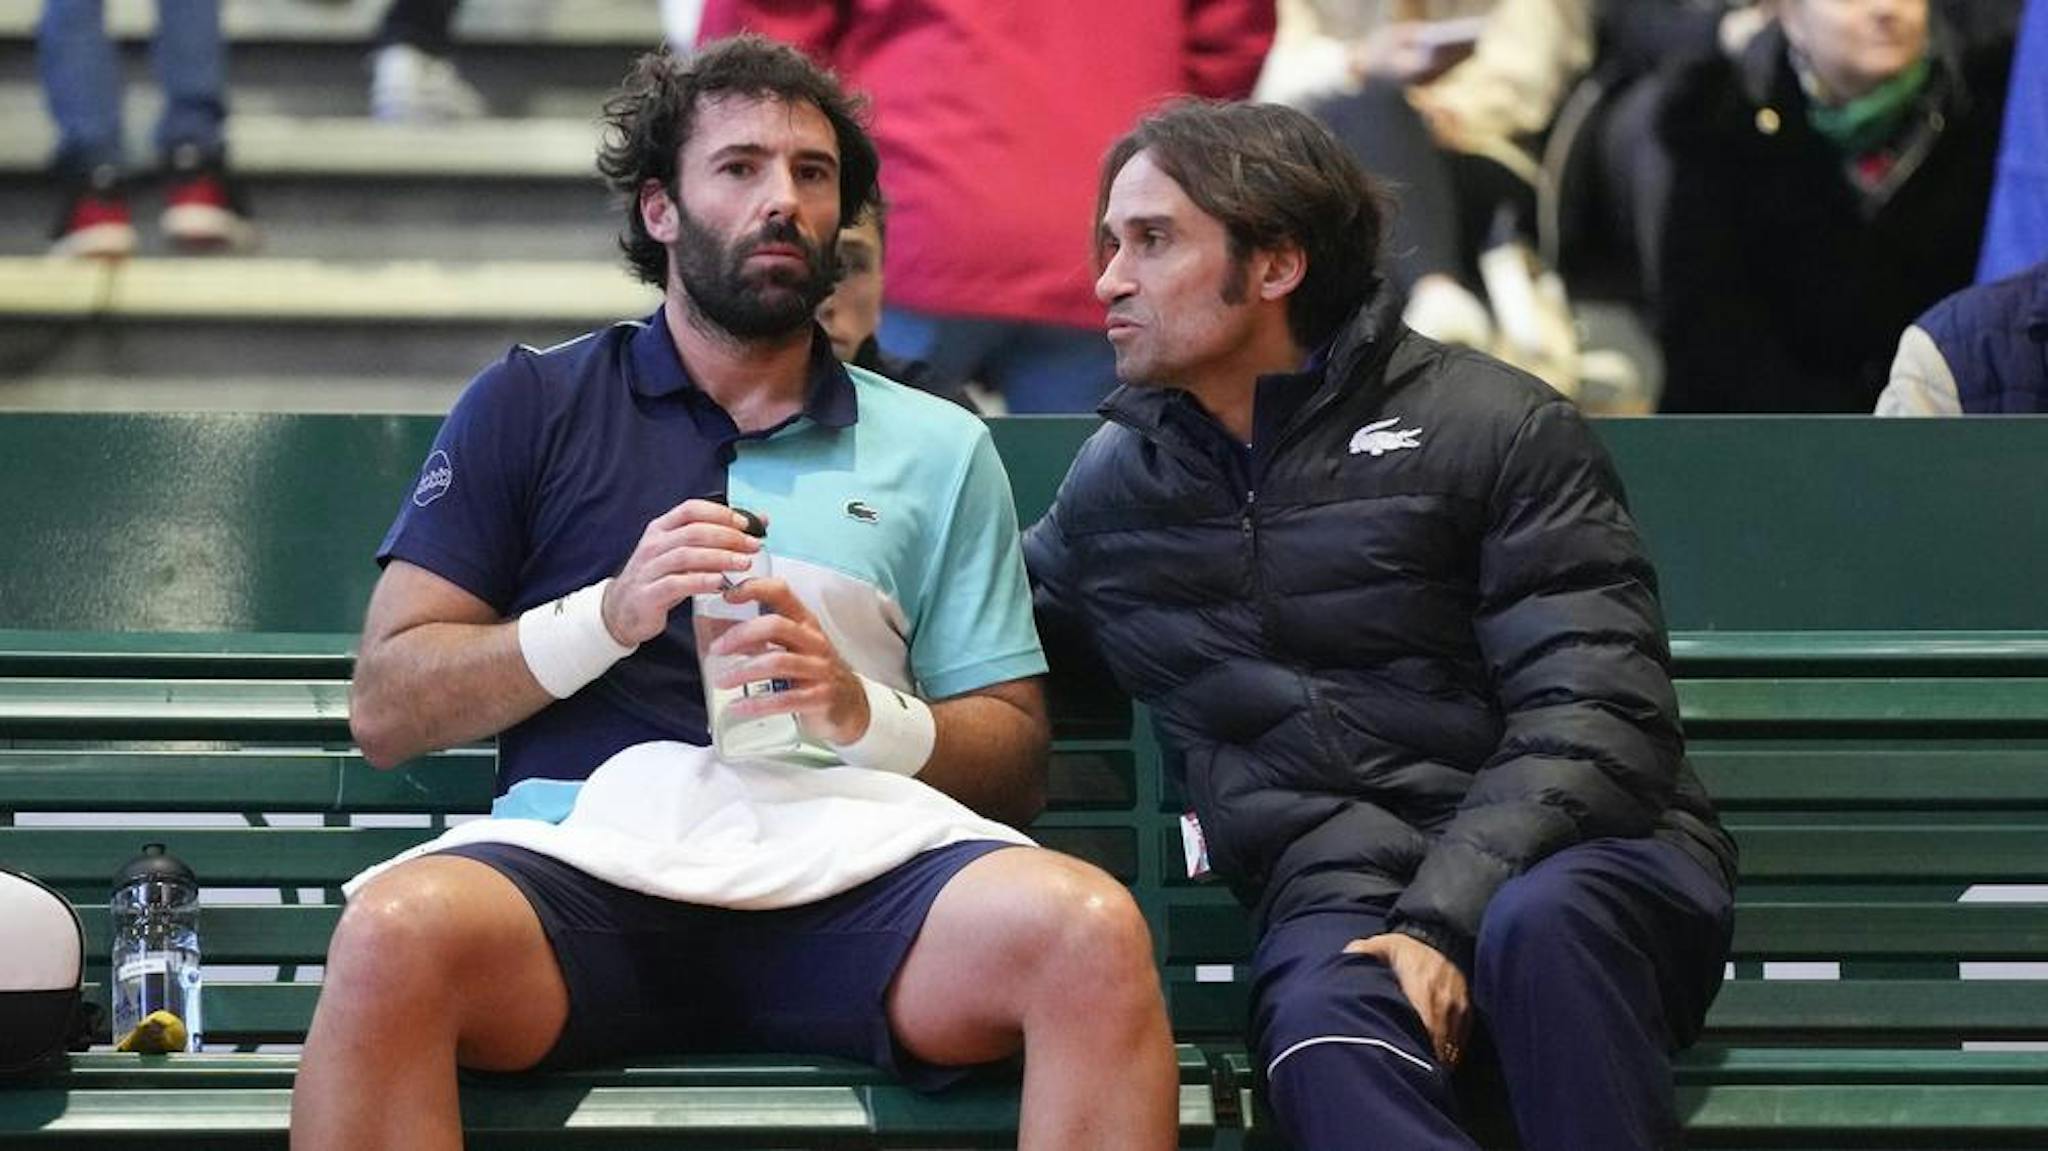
column 751, row 304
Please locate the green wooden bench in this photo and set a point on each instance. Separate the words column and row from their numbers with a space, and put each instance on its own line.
column 1873, row 774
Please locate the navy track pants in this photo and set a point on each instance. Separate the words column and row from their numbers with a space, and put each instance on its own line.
column 1591, row 968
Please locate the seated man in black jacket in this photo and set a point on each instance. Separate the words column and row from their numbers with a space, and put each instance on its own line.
column 1390, row 611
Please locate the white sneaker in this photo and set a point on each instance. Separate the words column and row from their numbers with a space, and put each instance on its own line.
column 408, row 86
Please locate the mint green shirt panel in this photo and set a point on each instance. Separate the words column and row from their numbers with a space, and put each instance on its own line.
column 912, row 500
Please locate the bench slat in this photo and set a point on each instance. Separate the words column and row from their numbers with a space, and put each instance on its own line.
column 1870, row 1012
column 1711, row 707
column 244, row 1012
column 172, row 655
column 1950, row 1116
column 221, row 857
column 1928, row 853
column 263, row 934
column 284, row 780
column 1720, row 1063
column 327, row 655
column 1919, row 777
column 550, row 1112
column 1858, row 653
column 2010, row 853
column 53, row 707
column 1873, row 1010
column 1197, row 933
column 108, row 1070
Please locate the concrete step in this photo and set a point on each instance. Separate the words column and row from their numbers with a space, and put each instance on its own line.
column 333, row 79
column 616, row 23
column 309, row 57
column 354, row 189
column 349, row 146
column 269, row 320
column 270, row 291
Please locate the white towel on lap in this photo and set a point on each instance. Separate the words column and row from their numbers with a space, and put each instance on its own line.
column 672, row 820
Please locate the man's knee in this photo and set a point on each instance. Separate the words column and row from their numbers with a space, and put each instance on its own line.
column 1541, row 926
column 405, row 936
column 1335, row 994
column 1089, row 934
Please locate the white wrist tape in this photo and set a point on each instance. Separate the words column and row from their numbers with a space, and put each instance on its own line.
column 900, row 734
column 565, row 642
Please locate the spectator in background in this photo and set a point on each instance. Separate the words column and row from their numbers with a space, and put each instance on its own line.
column 412, row 78
column 1462, row 140
column 1984, row 349
column 991, row 120
column 2018, row 231
column 81, row 77
column 852, row 313
column 1826, row 188
column 1353, row 64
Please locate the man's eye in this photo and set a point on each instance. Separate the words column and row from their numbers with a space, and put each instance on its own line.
column 814, row 173
column 735, row 168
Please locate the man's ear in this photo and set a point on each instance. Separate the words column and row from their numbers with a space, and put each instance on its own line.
column 1281, row 271
column 658, row 212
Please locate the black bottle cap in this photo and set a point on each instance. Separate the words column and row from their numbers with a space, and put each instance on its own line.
column 755, row 525
column 155, row 863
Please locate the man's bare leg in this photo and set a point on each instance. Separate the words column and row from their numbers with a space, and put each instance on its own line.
column 1039, row 949
column 442, row 958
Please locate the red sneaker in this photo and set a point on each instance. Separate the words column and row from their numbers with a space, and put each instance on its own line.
column 95, row 223
column 203, row 211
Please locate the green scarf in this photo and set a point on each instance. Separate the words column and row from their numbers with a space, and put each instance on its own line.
column 1872, row 119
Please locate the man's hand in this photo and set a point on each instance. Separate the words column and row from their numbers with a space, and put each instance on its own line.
column 1406, row 52
column 685, row 551
column 1433, row 985
column 823, row 693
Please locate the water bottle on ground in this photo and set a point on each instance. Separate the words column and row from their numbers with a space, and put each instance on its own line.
column 155, row 917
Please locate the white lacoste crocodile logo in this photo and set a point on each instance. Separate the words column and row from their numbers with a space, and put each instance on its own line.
column 1376, row 440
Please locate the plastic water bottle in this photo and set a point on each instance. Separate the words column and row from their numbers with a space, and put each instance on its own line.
column 761, row 737
column 155, row 913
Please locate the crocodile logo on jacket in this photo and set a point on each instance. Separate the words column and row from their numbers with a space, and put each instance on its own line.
column 1378, row 440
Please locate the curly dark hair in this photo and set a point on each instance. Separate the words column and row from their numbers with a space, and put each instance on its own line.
column 650, row 117
column 1271, row 175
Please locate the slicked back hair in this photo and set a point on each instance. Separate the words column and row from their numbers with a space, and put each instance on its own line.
column 1272, row 176
column 652, row 114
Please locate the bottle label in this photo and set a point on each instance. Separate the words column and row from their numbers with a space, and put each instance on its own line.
column 154, row 964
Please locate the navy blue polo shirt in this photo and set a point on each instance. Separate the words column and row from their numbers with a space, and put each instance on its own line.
column 553, row 461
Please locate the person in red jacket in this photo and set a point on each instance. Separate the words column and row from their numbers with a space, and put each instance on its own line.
column 991, row 121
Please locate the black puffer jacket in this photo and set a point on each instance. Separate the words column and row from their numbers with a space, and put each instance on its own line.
column 1398, row 664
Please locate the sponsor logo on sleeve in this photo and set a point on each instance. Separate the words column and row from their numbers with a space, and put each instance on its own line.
column 435, row 479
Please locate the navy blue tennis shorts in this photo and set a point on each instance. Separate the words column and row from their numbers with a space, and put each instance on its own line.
column 653, row 976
